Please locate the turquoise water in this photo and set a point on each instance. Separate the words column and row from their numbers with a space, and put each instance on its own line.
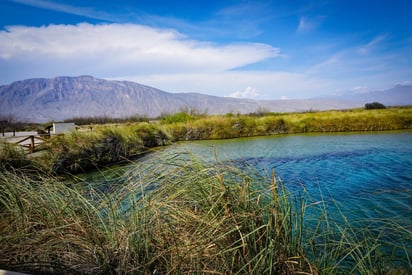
column 361, row 179
column 367, row 175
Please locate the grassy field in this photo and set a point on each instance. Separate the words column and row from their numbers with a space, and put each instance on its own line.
column 199, row 219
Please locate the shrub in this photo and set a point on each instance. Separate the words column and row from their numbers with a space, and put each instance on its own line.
column 374, row 105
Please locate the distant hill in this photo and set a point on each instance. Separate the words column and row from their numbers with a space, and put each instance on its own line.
column 396, row 96
column 59, row 98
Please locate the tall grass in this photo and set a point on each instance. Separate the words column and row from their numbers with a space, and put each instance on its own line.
column 233, row 126
column 80, row 151
column 184, row 217
column 106, row 120
column 200, row 219
column 338, row 245
column 12, row 156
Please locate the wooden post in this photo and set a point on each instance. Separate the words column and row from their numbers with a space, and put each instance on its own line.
column 3, row 124
column 31, row 144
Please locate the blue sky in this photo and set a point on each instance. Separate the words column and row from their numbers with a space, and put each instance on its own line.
column 257, row 49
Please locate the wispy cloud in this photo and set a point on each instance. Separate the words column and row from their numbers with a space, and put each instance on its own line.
column 307, row 24
column 375, row 42
column 242, row 20
column 65, row 8
column 357, row 59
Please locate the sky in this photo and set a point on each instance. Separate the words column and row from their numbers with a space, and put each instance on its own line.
column 262, row 49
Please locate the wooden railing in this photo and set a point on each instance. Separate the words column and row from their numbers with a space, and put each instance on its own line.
column 30, row 142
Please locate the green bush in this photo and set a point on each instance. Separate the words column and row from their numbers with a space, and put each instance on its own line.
column 374, row 105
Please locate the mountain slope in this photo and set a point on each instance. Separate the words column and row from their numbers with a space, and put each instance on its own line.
column 59, row 98
column 398, row 95
column 65, row 97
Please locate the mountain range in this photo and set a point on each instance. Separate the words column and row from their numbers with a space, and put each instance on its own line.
column 60, row 98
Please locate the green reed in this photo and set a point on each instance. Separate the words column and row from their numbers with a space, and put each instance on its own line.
column 81, row 151
column 185, row 216
column 233, row 126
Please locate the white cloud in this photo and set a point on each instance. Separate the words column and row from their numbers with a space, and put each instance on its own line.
column 248, row 92
column 162, row 58
column 118, row 49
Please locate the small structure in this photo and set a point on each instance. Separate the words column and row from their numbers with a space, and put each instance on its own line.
column 63, row 128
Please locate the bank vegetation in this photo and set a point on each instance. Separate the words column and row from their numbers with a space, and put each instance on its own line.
column 97, row 145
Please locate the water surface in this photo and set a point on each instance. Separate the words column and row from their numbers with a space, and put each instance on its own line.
column 368, row 175
column 365, row 175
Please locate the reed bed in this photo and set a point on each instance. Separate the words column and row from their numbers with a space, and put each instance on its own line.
column 80, row 151
column 185, row 216
column 233, row 126
column 199, row 219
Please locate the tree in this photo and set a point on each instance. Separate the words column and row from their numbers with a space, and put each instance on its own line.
column 374, row 105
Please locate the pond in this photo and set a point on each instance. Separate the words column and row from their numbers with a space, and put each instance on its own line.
column 364, row 176
column 367, row 175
